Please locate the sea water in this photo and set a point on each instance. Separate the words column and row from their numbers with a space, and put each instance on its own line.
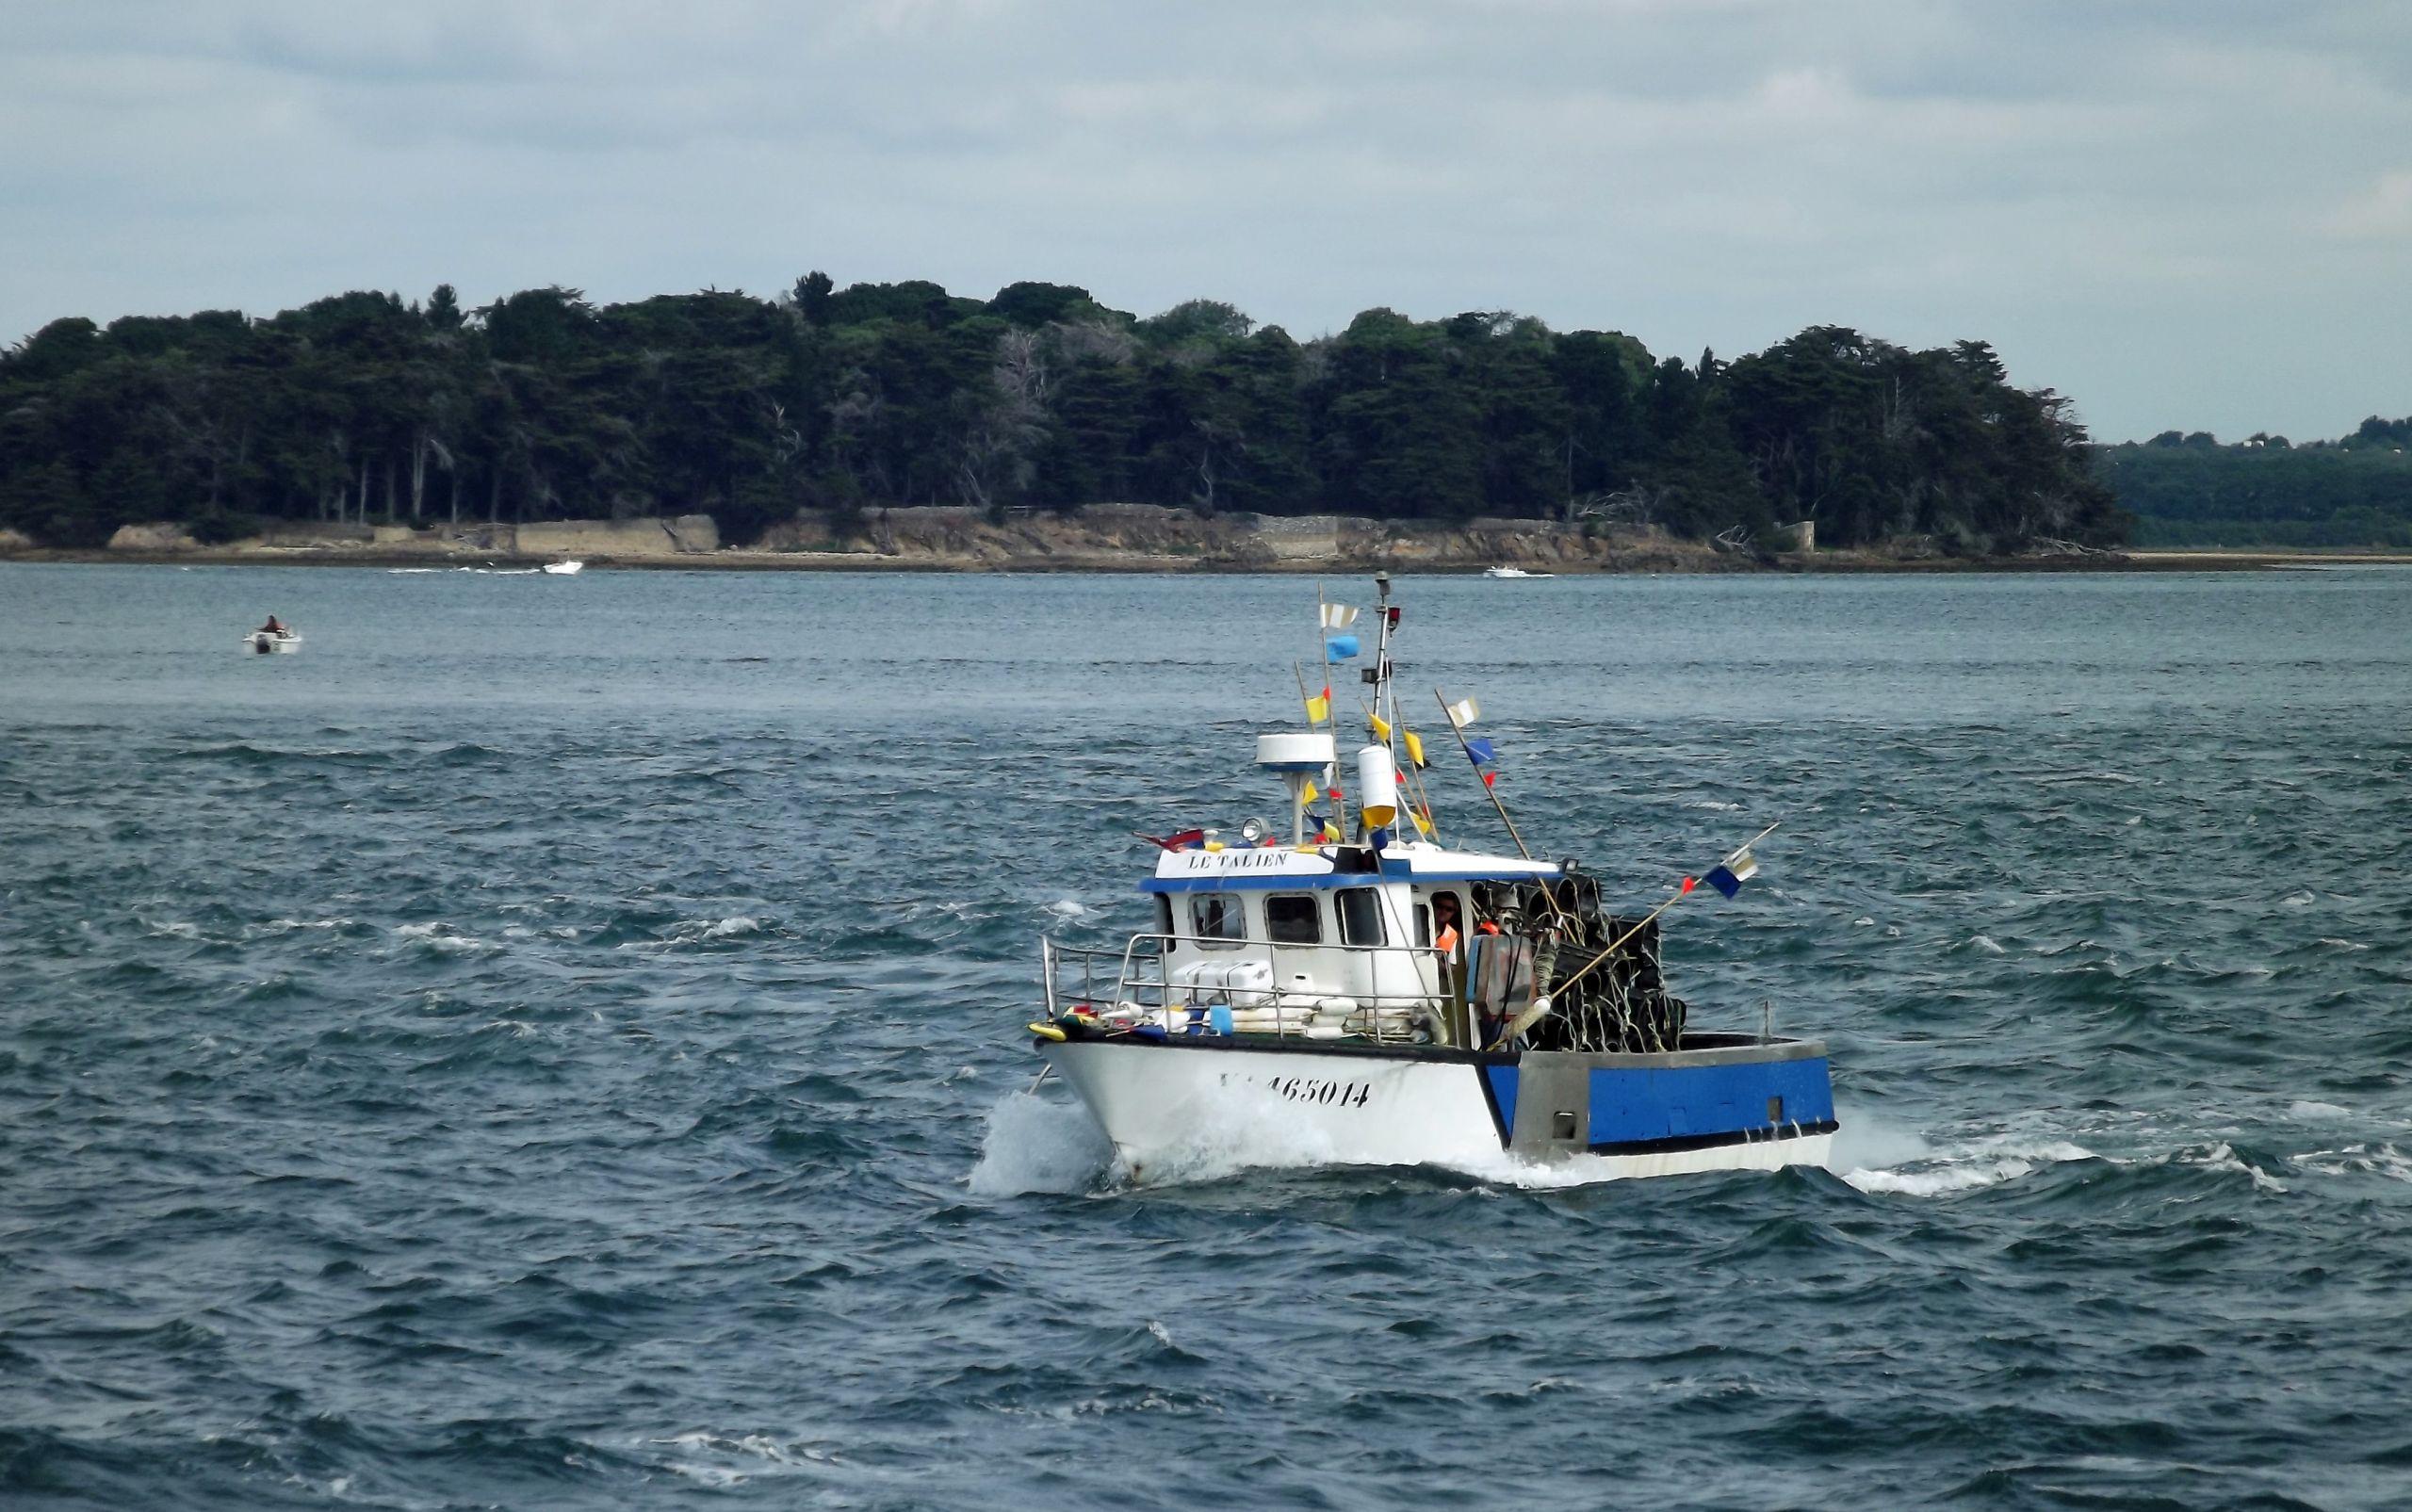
column 556, row 1042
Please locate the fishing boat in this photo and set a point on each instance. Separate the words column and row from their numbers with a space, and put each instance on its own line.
column 1370, row 995
column 263, row 643
column 565, row 569
column 1505, row 571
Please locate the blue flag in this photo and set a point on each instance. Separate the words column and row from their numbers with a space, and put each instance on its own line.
column 1728, row 876
column 1340, row 648
column 1478, row 751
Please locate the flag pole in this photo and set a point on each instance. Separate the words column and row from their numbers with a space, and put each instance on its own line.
column 1424, row 794
column 1323, row 648
column 1542, row 1005
column 1458, row 730
column 1681, row 893
column 1298, row 805
column 1549, row 894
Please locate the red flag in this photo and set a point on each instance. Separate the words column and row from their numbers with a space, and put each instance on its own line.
column 1489, row 777
column 1689, row 884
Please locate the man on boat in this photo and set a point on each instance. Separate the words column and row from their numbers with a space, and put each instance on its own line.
column 273, row 627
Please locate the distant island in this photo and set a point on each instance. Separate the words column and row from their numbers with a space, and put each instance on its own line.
column 2188, row 490
column 840, row 407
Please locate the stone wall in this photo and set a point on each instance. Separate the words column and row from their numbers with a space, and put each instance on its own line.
column 643, row 537
column 1300, row 537
column 314, row 533
column 152, row 538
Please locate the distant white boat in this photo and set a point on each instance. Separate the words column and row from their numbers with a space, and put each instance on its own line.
column 564, row 569
column 1514, row 572
column 263, row 643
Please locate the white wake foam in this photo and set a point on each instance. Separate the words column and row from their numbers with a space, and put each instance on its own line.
column 2223, row 1157
column 438, row 935
column 1240, row 1126
column 722, row 1461
column 1884, row 1159
column 1037, row 1144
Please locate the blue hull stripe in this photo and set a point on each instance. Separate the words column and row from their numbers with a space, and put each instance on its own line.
column 1641, row 1105
column 1502, row 1082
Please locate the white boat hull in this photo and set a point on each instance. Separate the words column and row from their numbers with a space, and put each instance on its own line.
column 262, row 644
column 1178, row 1110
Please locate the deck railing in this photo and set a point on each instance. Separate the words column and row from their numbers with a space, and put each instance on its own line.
column 1133, row 983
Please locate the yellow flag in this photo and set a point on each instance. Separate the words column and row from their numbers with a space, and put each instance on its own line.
column 1311, row 794
column 1331, row 832
column 1414, row 748
column 1318, row 708
column 1421, row 823
column 1381, row 727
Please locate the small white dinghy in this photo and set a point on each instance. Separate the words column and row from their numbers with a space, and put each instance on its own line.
column 263, row 643
column 564, row 569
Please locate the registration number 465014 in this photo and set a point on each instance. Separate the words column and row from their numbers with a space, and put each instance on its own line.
column 1318, row 1090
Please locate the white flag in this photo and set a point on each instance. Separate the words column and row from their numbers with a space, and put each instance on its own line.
column 1338, row 616
column 1463, row 713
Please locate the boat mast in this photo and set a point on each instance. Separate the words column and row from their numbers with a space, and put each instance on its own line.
column 1379, row 673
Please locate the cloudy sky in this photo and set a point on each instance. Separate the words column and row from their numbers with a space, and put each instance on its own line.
column 2193, row 215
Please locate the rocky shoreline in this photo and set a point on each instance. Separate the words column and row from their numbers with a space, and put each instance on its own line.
column 1100, row 538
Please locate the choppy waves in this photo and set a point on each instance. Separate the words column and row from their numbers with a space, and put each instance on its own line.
column 591, row 1077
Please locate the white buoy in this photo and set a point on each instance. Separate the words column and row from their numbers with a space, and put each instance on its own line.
column 1377, row 787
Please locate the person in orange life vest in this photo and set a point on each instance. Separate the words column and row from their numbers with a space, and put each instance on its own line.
column 1444, row 926
column 1445, row 929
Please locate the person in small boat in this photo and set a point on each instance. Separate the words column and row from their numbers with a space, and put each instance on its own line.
column 273, row 627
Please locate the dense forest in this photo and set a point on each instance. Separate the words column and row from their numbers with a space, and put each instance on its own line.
column 2265, row 491
column 543, row 405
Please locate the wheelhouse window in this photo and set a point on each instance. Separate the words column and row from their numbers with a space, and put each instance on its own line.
column 1293, row 919
column 1216, row 921
column 1163, row 915
column 1360, row 917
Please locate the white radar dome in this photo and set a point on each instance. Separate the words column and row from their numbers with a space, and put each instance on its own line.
column 1295, row 750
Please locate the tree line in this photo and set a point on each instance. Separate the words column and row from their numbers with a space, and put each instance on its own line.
column 543, row 405
column 2188, row 490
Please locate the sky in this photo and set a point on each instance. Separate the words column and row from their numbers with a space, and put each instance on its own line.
column 2191, row 215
